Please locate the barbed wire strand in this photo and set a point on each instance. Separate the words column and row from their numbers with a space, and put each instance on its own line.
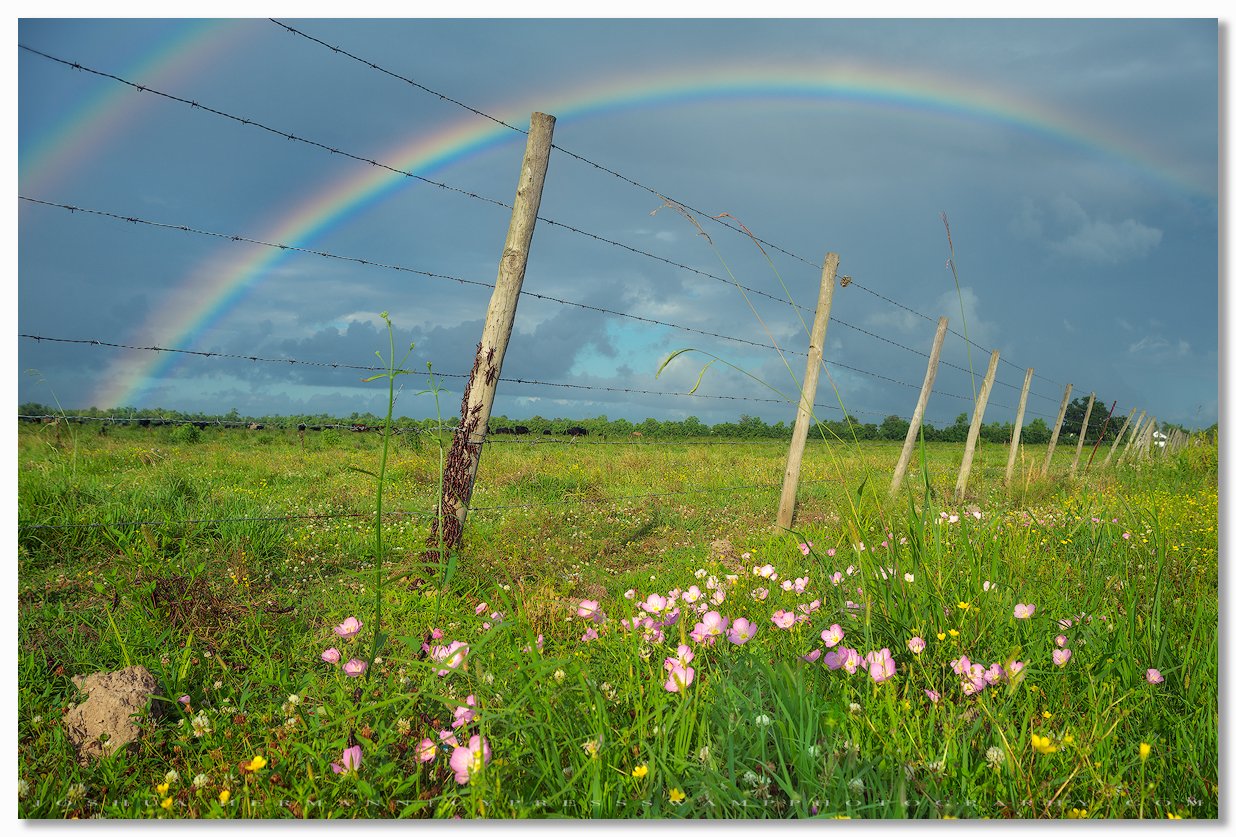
column 73, row 209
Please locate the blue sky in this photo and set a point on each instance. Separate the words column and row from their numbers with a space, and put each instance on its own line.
column 1077, row 161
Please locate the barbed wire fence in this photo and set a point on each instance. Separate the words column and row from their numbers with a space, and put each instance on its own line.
column 723, row 221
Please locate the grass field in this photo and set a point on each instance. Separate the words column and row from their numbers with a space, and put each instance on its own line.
column 670, row 654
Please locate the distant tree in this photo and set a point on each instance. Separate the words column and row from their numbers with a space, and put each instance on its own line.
column 1076, row 411
column 1036, row 433
column 894, row 429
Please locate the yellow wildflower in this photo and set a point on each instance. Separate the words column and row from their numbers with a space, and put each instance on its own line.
column 1143, row 750
column 166, row 803
column 963, row 605
column 1042, row 743
column 676, row 796
column 1078, row 814
column 640, row 771
column 162, row 789
column 954, row 632
column 940, row 636
column 224, row 796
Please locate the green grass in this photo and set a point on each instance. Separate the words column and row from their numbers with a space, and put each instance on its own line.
column 236, row 613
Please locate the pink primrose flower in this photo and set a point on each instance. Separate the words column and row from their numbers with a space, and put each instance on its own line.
column 465, row 713
column 932, row 695
column 741, row 631
column 1023, row 611
column 1062, row 640
column 783, row 619
column 880, row 665
column 481, row 608
column 589, row 609
column 351, row 760
column 355, row 667
column 916, row 644
column 830, row 552
column 805, row 548
column 832, row 636
column 426, row 750
column 1153, row 676
column 331, row 655
column 467, row 761
column 589, row 635
column 349, row 628
column 1061, row 656
column 811, row 656
column 679, row 678
column 692, row 595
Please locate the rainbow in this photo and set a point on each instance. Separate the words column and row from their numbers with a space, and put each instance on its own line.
column 206, row 295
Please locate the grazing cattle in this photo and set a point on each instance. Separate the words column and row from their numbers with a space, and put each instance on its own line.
column 638, row 435
column 576, row 431
column 200, row 425
column 316, row 427
column 143, row 422
column 520, row 430
column 547, row 432
column 301, row 427
column 503, row 431
column 256, row 426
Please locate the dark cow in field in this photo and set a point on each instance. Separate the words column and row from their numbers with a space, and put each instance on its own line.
column 503, row 431
column 520, row 430
column 576, row 431
column 201, row 425
column 547, row 432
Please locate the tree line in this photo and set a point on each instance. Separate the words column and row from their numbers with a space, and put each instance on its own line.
column 892, row 429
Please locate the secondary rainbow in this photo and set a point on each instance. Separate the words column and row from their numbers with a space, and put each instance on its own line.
column 205, row 296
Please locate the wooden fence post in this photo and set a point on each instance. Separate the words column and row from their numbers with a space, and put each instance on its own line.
column 1147, row 439
column 806, row 399
column 1055, row 434
column 1116, row 443
column 459, row 475
column 1081, row 437
column 976, row 424
column 933, row 363
column 1021, row 414
column 1133, row 437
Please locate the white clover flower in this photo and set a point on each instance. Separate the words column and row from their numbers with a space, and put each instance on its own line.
column 995, row 757
column 200, row 780
column 559, row 676
column 23, row 788
column 763, row 721
column 171, row 777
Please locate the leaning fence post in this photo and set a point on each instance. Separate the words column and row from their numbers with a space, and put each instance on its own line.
column 806, row 399
column 1134, row 436
column 1143, row 449
column 459, row 474
column 976, row 424
column 1055, row 434
column 1116, row 443
column 933, row 363
column 1081, row 437
column 1021, row 414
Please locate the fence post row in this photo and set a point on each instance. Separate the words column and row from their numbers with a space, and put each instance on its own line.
column 916, row 421
column 459, row 475
column 1021, row 414
column 1055, row 434
column 976, row 424
column 806, row 400
column 1081, row 437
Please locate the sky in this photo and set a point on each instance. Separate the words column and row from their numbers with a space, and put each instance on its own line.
column 285, row 188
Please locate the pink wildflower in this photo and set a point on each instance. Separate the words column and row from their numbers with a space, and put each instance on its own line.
column 932, row 695
column 679, row 678
column 830, row 552
column 692, row 595
column 832, row 636
column 811, row 656
column 589, row 609
column 465, row 713
column 355, row 667
column 741, row 631
column 783, row 619
column 589, row 635
column 1023, row 611
column 467, row 761
column 805, row 548
column 880, row 665
column 916, row 644
column 481, row 608
column 1153, row 676
column 349, row 628
column 351, row 760
column 1061, row 656
column 425, row 751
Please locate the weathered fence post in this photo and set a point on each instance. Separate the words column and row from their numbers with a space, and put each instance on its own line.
column 478, row 397
column 933, row 363
column 806, row 399
column 1055, row 434
column 1148, row 439
column 1116, row 443
column 1134, row 436
column 1021, row 414
column 1081, row 437
column 976, row 424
